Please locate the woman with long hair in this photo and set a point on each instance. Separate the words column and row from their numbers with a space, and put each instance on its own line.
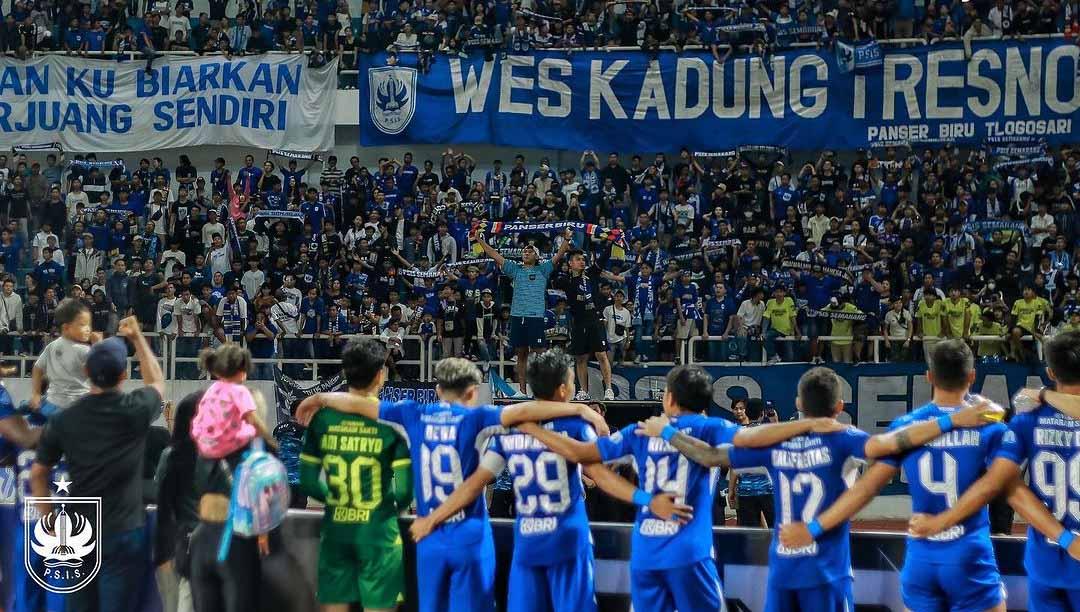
column 178, row 509
column 257, row 573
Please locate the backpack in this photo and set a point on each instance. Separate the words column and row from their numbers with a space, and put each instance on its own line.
column 260, row 496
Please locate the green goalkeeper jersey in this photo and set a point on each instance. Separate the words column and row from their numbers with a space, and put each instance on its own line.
column 367, row 474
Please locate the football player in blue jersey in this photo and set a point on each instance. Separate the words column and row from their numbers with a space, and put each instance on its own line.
column 955, row 570
column 18, row 438
column 811, row 471
column 671, row 561
column 456, row 562
column 1048, row 442
column 552, row 567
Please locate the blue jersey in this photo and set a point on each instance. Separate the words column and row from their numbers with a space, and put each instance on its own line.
column 445, row 441
column 656, row 543
column 938, row 474
column 1048, row 442
column 551, row 526
column 810, row 473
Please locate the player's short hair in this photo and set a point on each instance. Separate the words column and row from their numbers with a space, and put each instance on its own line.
column 819, row 390
column 68, row 310
column 950, row 363
column 547, row 371
column 690, row 387
column 361, row 360
column 755, row 408
column 1063, row 357
column 456, row 375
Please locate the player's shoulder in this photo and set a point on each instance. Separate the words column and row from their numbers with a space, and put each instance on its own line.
column 7, row 405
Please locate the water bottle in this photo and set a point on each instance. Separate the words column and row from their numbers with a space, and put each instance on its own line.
column 993, row 412
column 1024, row 403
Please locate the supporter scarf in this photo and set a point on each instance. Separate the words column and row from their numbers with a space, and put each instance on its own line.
column 529, row 13
column 1019, row 150
column 294, row 154
column 836, row 315
column 986, row 227
column 416, row 273
column 720, row 244
column 1043, row 159
column 45, row 146
column 767, row 149
column 280, row 214
column 794, row 29
column 736, row 28
column 722, row 154
column 806, row 266
column 616, row 236
column 475, row 261
column 79, row 163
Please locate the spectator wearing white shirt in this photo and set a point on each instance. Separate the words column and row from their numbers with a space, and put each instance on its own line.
column 253, row 278
column 88, row 260
column 11, row 317
column 74, row 197
column 219, row 256
column 442, row 247
column 166, row 321
column 286, row 318
column 749, row 318
column 1040, row 224
column 42, row 239
column 211, row 227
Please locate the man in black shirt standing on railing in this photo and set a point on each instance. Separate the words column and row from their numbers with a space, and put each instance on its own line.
column 587, row 334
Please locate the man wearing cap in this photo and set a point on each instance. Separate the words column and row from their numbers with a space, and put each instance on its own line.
column 102, row 437
column 529, row 279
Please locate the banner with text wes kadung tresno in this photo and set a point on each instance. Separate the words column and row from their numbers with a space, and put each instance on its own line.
column 633, row 101
column 265, row 101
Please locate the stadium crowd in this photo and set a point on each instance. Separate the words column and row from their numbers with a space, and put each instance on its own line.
column 749, row 250
column 329, row 27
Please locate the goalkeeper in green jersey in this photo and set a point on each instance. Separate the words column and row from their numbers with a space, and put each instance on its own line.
column 368, row 482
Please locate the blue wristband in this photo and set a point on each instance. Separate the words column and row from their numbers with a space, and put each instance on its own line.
column 814, row 527
column 668, row 433
column 641, row 498
column 945, row 423
column 1066, row 538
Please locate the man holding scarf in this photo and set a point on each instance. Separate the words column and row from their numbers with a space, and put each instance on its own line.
column 529, row 279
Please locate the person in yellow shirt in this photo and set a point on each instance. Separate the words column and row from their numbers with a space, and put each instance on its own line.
column 957, row 314
column 929, row 322
column 1072, row 322
column 780, row 320
column 840, row 346
column 1029, row 313
column 988, row 325
column 974, row 312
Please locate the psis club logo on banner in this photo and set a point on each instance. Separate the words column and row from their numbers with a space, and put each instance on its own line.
column 62, row 551
column 392, row 97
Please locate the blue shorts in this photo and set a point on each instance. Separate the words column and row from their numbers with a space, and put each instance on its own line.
column 527, row 332
column 566, row 587
column 968, row 587
column 837, row 597
column 690, row 587
column 26, row 595
column 456, row 579
column 1043, row 598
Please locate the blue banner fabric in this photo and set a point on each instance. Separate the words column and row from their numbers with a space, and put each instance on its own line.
column 630, row 101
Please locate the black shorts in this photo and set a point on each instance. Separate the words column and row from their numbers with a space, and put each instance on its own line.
column 588, row 337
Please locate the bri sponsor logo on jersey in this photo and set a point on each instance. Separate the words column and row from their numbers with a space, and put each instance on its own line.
column 953, row 533
column 805, row 551
column 658, row 528
column 537, row 525
column 957, row 437
column 1057, row 437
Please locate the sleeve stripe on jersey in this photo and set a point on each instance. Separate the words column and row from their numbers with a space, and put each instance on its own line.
column 310, row 459
column 400, row 462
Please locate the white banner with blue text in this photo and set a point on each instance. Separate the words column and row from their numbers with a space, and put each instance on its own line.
column 87, row 105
